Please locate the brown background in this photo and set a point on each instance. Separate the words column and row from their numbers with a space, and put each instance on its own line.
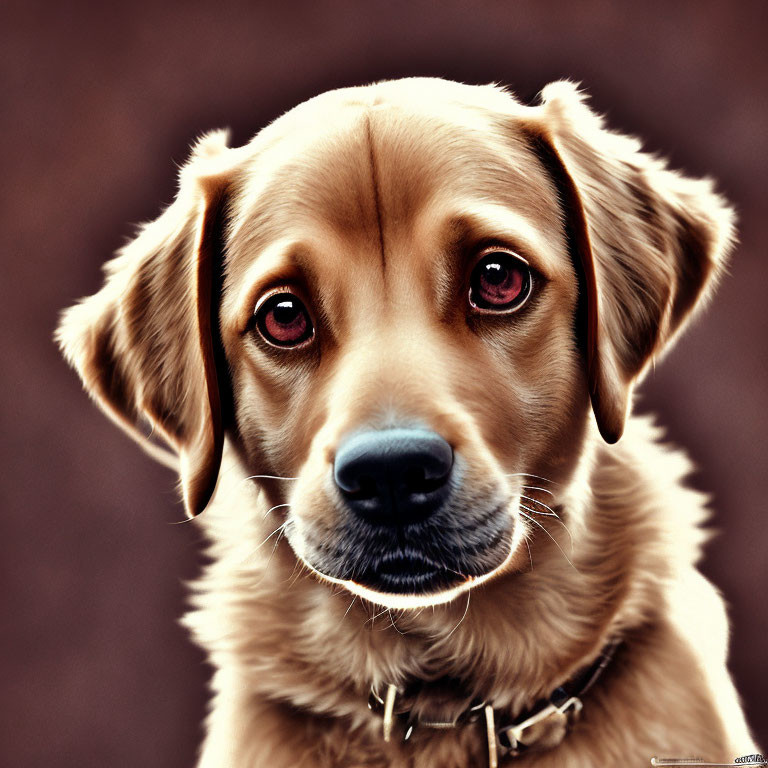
column 99, row 103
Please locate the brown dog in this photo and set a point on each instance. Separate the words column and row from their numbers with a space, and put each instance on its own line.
column 391, row 341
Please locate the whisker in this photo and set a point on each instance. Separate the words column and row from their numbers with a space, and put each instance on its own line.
column 530, row 556
column 392, row 623
column 298, row 569
column 550, row 513
column 281, row 527
column 536, row 488
column 272, row 509
column 349, row 607
column 536, row 522
column 463, row 616
column 277, row 541
column 293, row 578
column 268, row 477
column 373, row 618
column 557, row 517
column 528, row 474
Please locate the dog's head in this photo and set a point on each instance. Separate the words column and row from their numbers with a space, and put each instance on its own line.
column 410, row 297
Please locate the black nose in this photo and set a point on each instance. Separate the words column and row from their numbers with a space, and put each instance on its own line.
column 394, row 476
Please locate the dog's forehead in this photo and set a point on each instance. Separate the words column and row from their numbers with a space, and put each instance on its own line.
column 326, row 159
column 362, row 171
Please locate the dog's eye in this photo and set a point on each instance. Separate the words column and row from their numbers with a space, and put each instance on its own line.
column 283, row 320
column 500, row 281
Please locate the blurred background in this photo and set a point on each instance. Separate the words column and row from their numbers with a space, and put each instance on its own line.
column 99, row 106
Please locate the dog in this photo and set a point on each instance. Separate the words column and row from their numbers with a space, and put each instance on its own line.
column 392, row 343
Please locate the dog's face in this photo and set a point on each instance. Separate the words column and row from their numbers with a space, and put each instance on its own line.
column 409, row 295
column 400, row 330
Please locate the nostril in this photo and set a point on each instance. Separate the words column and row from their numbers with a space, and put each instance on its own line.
column 363, row 489
column 416, row 480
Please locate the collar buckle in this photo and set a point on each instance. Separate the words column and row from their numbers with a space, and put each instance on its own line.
column 545, row 728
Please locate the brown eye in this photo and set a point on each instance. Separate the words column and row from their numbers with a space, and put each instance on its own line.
column 283, row 320
column 500, row 281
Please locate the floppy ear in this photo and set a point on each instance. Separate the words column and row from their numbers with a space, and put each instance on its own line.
column 144, row 344
column 649, row 244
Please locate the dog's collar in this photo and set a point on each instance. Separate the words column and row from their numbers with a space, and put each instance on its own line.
column 542, row 727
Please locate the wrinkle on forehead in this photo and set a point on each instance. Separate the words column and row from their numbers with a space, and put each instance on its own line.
column 332, row 157
column 363, row 186
column 422, row 158
column 309, row 182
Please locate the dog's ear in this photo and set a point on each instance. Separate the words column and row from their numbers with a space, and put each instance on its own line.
column 144, row 345
column 648, row 243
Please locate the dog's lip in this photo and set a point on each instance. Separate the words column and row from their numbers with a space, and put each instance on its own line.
column 407, row 562
column 416, row 580
column 412, row 599
column 436, row 584
column 408, row 571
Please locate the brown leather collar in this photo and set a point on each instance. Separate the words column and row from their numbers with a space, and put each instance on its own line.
column 441, row 705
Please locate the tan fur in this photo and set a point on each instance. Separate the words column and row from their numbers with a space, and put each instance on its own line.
column 370, row 203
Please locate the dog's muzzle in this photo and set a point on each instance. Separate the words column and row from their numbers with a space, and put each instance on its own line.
column 408, row 522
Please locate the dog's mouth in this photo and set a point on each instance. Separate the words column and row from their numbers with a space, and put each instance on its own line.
column 409, row 572
column 428, row 565
column 404, row 580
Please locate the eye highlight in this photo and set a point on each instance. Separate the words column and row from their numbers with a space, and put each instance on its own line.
column 501, row 281
column 283, row 320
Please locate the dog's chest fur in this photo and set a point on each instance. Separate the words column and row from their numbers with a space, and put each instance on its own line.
column 291, row 652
